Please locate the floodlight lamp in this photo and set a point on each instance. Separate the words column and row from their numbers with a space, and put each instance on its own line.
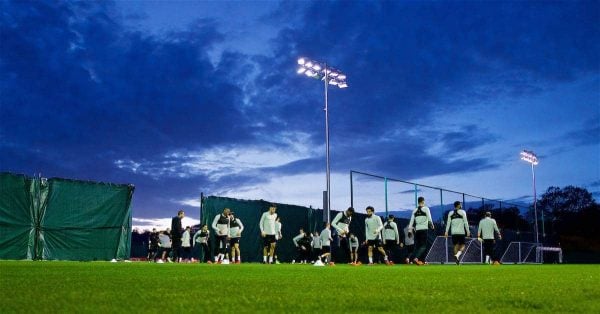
column 333, row 82
column 529, row 157
column 301, row 61
column 301, row 70
column 342, row 77
column 308, row 64
column 342, row 85
column 316, row 67
column 310, row 73
column 333, row 74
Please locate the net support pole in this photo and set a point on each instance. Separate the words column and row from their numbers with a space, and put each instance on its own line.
column 446, row 248
column 201, row 201
column 416, row 202
column 351, row 190
column 385, row 182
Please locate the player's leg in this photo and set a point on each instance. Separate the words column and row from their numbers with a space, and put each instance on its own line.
column 265, row 253
column 383, row 252
column 370, row 253
column 487, row 250
column 420, row 246
column 272, row 252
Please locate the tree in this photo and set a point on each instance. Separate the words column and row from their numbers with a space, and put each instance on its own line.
column 570, row 199
column 573, row 215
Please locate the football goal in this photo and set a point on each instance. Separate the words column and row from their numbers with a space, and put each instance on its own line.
column 441, row 252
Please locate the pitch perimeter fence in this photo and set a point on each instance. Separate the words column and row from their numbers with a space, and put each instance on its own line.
column 399, row 197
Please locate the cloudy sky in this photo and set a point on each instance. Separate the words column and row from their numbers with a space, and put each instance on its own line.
column 186, row 97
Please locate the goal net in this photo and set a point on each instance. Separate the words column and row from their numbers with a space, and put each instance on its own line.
column 441, row 252
column 530, row 253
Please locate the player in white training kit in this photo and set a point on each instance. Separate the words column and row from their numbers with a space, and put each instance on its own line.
column 420, row 223
column 235, row 233
column 341, row 223
column 221, row 227
column 458, row 225
column 268, row 231
column 487, row 233
column 373, row 227
column 326, row 244
column 391, row 237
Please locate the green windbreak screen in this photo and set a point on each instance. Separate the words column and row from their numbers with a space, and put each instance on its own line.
column 292, row 219
column 17, row 226
column 83, row 220
column 64, row 219
column 249, row 212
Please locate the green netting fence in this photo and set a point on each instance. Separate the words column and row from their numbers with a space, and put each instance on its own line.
column 292, row 218
column 61, row 219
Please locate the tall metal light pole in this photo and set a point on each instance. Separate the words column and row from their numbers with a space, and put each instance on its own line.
column 330, row 76
column 531, row 158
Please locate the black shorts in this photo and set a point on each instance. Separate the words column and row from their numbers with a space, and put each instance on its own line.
column 325, row 249
column 353, row 249
column 268, row 239
column 233, row 241
column 458, row 239
column 375, row 243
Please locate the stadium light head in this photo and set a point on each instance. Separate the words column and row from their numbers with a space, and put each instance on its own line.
column 529, row 157
column 321, row 71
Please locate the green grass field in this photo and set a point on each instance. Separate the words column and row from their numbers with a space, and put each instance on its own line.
column 250, row 288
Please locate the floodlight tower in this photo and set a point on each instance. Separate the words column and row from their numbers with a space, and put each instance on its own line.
column 330, row 76
column 531, row 158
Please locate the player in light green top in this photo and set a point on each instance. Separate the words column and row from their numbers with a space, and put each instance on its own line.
column 326, row 244
column 316, row 246
column 353, row 242
column 420, row 223
column 391, row 237
column 487, row 233
column 373, row 227
column 235, row 233
column 299, row 249
column 458, row 225
column 268, row 231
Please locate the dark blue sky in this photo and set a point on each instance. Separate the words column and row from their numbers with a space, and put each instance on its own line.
column 180, row 98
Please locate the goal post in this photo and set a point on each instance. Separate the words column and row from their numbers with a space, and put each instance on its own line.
column 528, row 253
column 441, row 251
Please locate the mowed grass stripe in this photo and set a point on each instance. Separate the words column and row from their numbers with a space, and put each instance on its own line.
column 149, row 287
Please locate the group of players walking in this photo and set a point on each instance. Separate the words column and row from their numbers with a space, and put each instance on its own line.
column 315, row 247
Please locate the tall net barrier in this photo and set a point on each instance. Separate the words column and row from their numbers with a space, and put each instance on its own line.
column 292, row 219
column 399, row 197
column 60, row 219
column 249, row 212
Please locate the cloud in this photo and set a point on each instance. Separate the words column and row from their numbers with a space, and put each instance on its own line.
column 160, row 223
column 84, row 96
column 589, row 134
column 229, row 160
column 193, row 202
